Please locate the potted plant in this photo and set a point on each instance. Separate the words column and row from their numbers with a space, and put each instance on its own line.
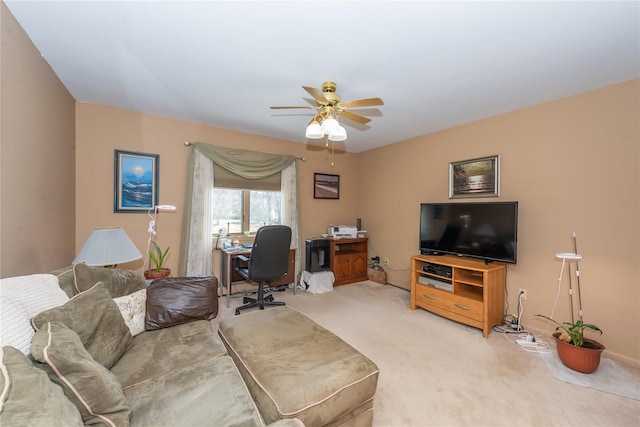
column 157, row 255
column 574, row 350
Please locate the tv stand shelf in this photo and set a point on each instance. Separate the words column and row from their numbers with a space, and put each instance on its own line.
column 473, row 294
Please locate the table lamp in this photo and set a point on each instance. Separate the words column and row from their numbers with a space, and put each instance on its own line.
column 107, row 246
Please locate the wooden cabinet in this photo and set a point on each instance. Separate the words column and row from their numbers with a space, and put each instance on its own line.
column 349, row 260
column 462, row 289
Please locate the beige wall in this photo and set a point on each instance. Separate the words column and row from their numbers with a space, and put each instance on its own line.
column 572, row 164
column 37, row 178
column 101, row 129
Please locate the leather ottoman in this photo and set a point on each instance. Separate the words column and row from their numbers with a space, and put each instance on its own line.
column 295, row 368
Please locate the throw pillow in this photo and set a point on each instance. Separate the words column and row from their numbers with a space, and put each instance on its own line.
column 65, row 279
column 118, row 282
column 133, row 309
column 28, row 397
column 175, row 300
column 95, row 317
column 94, row 390
column 21, row 298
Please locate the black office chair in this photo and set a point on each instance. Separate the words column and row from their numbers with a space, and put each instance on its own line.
column 269, row 261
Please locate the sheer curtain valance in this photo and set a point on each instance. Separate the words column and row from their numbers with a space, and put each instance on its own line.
column 196, row 247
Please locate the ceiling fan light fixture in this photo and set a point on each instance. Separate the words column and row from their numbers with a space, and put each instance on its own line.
column 328, row 107
column 340, row 134
column 314, row 130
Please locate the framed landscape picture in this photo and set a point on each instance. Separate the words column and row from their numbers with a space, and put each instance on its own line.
column 475, row 178
column 136, row 181
column 326, row 186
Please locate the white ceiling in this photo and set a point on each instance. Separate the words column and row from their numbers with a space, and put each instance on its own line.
column 435, row 64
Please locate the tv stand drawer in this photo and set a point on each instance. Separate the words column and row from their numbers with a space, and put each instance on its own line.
column 427, row 297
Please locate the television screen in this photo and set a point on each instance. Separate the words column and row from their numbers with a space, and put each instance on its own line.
column 481, row 230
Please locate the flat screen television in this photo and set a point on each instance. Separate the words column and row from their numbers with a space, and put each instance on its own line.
column 488, row 231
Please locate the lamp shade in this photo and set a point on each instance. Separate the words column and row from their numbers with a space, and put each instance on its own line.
column 107, row 246
column 339, row 134
column 329, row 125
column 314, row 131
column 166, row 208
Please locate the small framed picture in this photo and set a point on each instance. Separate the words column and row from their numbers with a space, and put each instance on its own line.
column 326, row 186
column 136, row 181
column 475, row 178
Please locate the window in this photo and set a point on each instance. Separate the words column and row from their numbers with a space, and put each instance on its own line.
column 245, row 210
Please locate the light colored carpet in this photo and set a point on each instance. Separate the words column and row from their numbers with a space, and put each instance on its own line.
column 435, row 372
column 609, row 377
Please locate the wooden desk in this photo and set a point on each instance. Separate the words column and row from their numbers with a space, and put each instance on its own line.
column 228, row 275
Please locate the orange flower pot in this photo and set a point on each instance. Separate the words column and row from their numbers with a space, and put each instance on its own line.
column 584, row 359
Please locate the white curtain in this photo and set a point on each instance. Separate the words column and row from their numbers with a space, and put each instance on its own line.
column 200, row 232
column 289, row 193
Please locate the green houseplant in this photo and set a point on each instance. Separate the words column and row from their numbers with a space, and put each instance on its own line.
column 157, row 255
column 574, row 350
column 573, row 333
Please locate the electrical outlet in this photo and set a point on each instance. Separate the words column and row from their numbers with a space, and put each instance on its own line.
column 524, row 292
column 386, row 261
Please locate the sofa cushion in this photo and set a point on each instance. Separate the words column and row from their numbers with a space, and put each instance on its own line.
column 133, row 309
column 154, row 353
column 21, row 298
column 117, row 282
column 95, row 317
column 175, row 300
column 29, row 398
column 296, row 368
column 94, row 390
column 210, row 393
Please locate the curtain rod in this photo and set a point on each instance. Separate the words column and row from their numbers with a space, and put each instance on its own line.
column 187, row 143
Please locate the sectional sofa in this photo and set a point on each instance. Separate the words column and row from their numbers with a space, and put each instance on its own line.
column 95, row 346
column 75, row 351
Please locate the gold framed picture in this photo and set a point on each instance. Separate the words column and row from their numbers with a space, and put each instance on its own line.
column 475, row 178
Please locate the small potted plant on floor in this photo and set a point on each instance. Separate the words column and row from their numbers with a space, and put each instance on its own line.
column 157, row 256
column 574, row 350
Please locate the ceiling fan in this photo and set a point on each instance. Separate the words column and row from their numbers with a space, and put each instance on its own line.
column 329, row 107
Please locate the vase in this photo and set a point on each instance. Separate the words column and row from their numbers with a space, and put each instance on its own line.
column 584, row 359
column 154, row 274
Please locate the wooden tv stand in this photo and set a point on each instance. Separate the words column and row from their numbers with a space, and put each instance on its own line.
column 475, row 296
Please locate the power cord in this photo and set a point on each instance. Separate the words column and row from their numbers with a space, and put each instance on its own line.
column 387, row 266
column 555, row 301
column 525, row 339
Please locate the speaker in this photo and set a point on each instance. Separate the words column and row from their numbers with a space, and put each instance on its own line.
column 359, row 224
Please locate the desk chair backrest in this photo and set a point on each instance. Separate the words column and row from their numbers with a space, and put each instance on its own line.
column 270, row 254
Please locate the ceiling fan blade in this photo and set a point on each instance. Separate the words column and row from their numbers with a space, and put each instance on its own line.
column 317, row 94
column 368, row 102
column 355, row 117
column 286, row 107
